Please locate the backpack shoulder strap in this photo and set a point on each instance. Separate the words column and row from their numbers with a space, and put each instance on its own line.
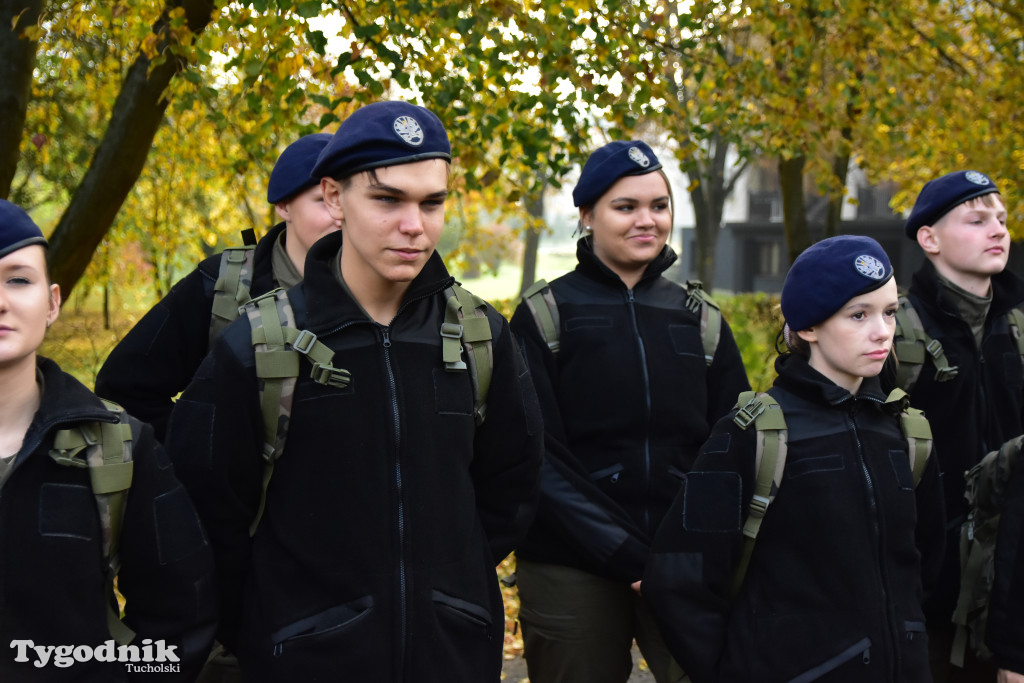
column 765, row 414
column 1017, row 331
column 700, row 302
column 916, row 430
column 466, row 327
column 912, row 344
column 106, row 449
column 277, row 347
column 540, row 302
column 234, row 282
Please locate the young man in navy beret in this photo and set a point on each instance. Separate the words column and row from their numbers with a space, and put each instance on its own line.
column 391, row 504
column 155, row 361
column 970, row 381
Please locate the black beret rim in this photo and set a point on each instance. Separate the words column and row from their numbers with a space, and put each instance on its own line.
column 21, row 244
column 641, row 171
column 930, row 219
column 339, row 173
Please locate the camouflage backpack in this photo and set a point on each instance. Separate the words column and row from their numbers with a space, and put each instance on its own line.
column 104, row 448
column 765, row 414
column 540, row 301
column 278, row 345
column 985, row 494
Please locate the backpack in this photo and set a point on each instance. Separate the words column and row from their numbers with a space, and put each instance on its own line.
column 765, row 414
column 912, row 345
column 985, row 495
column 540, row 301
column 106, row 450
column 278, row 345
column 234, row 283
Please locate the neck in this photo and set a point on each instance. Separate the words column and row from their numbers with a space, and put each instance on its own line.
column 978, row 285
column 296, row 253
column 380, row 298
column 19, row 401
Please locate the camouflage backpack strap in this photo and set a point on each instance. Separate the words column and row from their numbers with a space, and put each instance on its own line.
column 466, row 327
column 541, row 303
column 105, row 448
column 765, row 414
column 700, row 303
column 916, row 430
column 913, row 345
column 231, row 291
column 277, row 346
column 1017, row 331
column 984, row 493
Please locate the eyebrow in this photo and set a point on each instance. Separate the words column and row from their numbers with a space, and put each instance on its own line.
column 663, row 198
column 380, row 187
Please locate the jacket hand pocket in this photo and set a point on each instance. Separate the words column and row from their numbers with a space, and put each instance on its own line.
column 323, row 626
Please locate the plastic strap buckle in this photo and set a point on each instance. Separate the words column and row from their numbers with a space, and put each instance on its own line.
column 304, row 342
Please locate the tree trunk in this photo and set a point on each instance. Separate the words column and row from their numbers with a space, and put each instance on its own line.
column 535, row 208
column 794, row 213
column 121, row 155
column 840, row 171
column 17, row 61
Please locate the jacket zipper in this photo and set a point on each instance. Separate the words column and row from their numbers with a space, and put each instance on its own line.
column 869, row 485
column 396, row 437
column 631, row 300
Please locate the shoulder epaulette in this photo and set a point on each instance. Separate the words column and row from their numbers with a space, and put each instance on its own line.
column 105, row 448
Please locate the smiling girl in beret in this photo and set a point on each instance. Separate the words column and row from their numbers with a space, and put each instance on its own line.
column 628, row 397
column 834, row 584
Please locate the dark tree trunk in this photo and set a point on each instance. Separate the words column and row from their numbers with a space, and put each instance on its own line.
column 17, row 61
column 535, row 208
column 121, row 155
column 794, row 212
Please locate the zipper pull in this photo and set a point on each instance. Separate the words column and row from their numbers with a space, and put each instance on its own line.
column 387, row 337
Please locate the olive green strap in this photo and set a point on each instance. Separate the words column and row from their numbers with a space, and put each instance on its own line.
column 542, row 306
column 700, row 302
column 466, row 327
column 231, row 291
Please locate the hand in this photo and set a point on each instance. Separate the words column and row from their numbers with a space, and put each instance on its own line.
column 636, row 586
column 1009, row 677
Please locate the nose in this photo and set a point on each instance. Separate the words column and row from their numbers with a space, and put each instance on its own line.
column 999, row 228
column 884, row 328
column 411, row 221
column 645, row 217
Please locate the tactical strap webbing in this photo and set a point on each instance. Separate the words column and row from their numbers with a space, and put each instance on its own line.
column 541, row 304
column 231, row 291
column 106, row 449
column 765, row 414
column 466, row 327
column 277, row 345
column 1017, row 331
column 699, row 302
column 913, row 344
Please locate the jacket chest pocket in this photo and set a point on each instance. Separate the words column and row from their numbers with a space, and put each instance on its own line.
column 453, row 392
column 67, row 511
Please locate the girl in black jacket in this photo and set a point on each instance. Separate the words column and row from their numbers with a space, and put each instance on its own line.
column 834, row 586
column 56, row 586
column 628, row 398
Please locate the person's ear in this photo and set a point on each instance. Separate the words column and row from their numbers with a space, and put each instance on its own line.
column 54, row 309
column 928, row 239
column 332, row 191
column 282, row 210
column 809, row 335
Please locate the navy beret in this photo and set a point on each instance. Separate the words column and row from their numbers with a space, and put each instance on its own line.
column 940, row 196
column 292, row 172
column 609, row 163
column 830, row 273
column 383, row 134
column 17, row 229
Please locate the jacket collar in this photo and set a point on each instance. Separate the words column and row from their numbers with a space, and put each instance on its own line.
column 593, row 267
column 1007, row 290
column 262, row 260
column 329, row 304
column 798, row 377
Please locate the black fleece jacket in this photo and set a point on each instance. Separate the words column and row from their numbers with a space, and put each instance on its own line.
column 973, row 413
column 834, row 588
column 388, row 509
column 155, row 361
column 52, row 584
column 627, row 402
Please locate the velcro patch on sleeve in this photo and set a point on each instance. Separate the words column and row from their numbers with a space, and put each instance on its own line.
column 712, row 502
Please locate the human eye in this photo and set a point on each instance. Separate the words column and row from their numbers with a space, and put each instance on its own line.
column 858, row 315
column 19, row 280
column 890, row 312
